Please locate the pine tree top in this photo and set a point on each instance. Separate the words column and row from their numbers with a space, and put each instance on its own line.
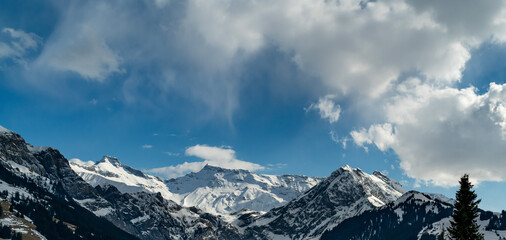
column 463, row 225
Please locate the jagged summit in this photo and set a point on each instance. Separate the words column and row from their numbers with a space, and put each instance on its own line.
column 212, row 168
column 357, row 173
column 217, row 169
column 116, row 163
column 110, row 159
column 347, row 192
column 110, row 171
column 347, row 168
column 225, row 191
column 21, row 144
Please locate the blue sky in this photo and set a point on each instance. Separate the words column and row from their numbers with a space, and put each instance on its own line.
column 296, row 87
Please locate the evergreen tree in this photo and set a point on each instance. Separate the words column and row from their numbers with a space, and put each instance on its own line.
column 463, row 225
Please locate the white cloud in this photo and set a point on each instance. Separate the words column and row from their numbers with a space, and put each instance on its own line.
column 20, row 43
column 224, row 28
column 147, row 146
column 335, row 138
column 83, row 51
column 172, row 154
column 327, row 108
column 81, row 163
column 442, row 133
column 178, row 170
column 352, row 48
column 223, row 157
column 6, row 51
column 381, row 135
column 25, row 40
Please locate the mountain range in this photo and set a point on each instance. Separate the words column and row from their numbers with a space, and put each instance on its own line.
column 212, row 189
column 52, row 198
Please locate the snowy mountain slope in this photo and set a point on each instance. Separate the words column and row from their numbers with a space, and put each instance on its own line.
column 224, row 191
column 492, row 226
column 414, row 215
column 345, row 193
column 110, row 171
column 55, row 187
column 213, row 189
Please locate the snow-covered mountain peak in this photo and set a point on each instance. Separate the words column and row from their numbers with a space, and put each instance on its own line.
column 224, row 191
column 347, row 192
column 110, row 159
column 110, row 171
column 376, row 184
column 344, row 169
column 211, row 168
column 116, row 163
column 347, row 168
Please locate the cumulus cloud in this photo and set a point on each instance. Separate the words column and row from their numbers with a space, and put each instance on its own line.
column 381, row 135
column 147, row 146
column 441, row 133
column 355, row 47
column 327, row 108
column 223, row 157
